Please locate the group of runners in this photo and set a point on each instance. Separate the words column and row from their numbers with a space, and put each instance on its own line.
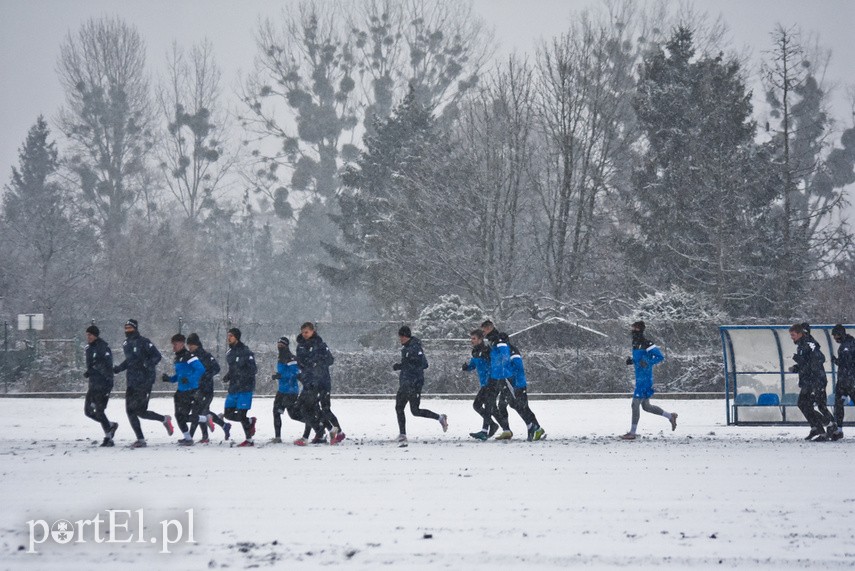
column 304, row 385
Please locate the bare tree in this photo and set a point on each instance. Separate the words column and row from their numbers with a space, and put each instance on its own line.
column 193, row 158
column 107, row 117
column 495, row 137
column 305, row 95
column 437, row 48
column 801, row 128
column 586, row 125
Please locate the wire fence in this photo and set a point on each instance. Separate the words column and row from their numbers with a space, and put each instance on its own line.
column 561, row 356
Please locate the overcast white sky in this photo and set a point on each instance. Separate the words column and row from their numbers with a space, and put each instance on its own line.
column 31, row 32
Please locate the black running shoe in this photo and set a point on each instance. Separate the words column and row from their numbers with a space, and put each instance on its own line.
column 814, row 432
column 108, row 442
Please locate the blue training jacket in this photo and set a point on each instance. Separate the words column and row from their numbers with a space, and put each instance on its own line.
column 500, row 358
column 644, row 357
column 288, row 377
column 188, row 371
column 480, row 362
column 519, row 371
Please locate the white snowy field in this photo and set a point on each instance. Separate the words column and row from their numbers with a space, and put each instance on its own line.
column 705, row 496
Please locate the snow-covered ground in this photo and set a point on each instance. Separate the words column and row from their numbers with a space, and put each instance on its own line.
column 705, row 496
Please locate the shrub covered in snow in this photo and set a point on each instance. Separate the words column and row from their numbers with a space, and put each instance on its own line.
column 448, row 318
column 676, row 304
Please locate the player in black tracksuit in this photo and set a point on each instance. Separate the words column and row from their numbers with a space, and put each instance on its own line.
column 99, row 371
column 845, row 362
column 207, row 418
column 141, row 359
column 315, row 359
column 812, row 383
column 241, row 380
column 412, row 379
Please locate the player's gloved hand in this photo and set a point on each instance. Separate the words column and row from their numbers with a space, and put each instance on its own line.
column 165, row 378
column 465, row 366
column 629, row 361
column 794, row 369
column 116, row 369
column 226, row 378
column 275, row 376
column 396, row 367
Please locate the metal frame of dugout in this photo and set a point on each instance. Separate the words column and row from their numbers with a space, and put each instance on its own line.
column 759, row 389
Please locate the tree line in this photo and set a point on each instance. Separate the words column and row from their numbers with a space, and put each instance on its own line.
column 380, row 158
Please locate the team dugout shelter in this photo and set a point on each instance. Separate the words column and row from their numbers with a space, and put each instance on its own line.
column 759, row 388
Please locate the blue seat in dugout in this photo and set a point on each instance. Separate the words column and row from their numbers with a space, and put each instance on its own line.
column 745, row 399
column 768, row 399
column 790, row 399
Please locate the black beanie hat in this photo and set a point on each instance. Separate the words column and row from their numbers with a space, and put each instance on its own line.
column 133, row 323
column 193, row 339
column 404, row 331
column 93, row 329
column 639, row 325
column 284, row 340
column 236, row 332
column 838, row 330
column 178, row 337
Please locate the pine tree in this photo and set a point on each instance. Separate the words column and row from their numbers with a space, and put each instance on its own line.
column 404, row 216
column 702, row 196
column 53, row 248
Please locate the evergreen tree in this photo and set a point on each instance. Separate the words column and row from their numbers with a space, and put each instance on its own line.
column 701, row 197
column 48, row 246
column 405, row 212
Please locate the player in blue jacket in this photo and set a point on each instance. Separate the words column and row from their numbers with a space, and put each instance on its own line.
column 500, row 373
column 480, row 362
column 188, row 372
column 644, row 356
column 845, row 361
column 515, row 394
column 286, row 374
